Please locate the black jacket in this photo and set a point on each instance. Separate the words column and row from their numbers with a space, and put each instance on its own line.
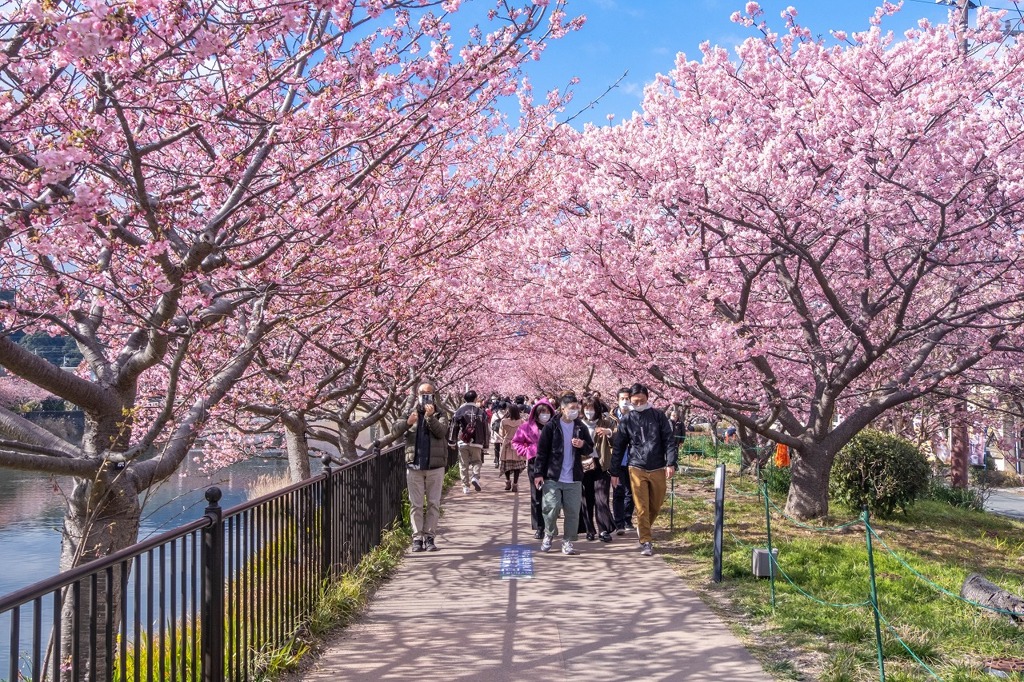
column 470, row 413
column 649, row 437
column 551, row 450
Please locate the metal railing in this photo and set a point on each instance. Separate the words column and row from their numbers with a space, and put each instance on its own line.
column 255, row 571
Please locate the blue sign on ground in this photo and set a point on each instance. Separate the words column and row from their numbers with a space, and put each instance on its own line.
column 516, row 562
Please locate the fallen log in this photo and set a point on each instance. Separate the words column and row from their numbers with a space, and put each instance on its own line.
column 977, row 589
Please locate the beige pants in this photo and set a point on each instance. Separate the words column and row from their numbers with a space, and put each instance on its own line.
column 648, row 496
column 471, row 457
column 424, row 484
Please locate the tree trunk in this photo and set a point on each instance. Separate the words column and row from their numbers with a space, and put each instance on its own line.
column 102, row 517
column 296, row 445
column 977, row 589
column 347, row 444
column 751, row 458
column 808, row 489
column 959, row 452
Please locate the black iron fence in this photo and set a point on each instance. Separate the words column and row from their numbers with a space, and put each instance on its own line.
column 210, row 600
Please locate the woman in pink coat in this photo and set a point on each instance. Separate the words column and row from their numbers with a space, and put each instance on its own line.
column 525, row 443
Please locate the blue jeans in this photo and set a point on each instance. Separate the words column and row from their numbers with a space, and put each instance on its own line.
column 556, row 497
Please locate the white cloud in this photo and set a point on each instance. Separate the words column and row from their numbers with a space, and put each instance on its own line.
column 632, row 88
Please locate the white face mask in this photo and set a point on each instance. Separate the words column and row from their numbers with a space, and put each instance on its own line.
column 641, row 408
column 543, row 417
column 625, row 406
column 572, row 415
column 589, row 414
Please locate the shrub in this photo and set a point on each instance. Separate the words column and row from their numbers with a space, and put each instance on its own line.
column 993, row 478
column 777, row 479
column 880, row 471
column 962, row 498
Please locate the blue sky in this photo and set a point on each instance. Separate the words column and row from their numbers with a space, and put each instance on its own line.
column 642, row 37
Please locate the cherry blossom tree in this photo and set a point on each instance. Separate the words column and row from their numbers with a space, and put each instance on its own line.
column 182, row 184
column 418, row 300
column 16, row 393
column 801, row 235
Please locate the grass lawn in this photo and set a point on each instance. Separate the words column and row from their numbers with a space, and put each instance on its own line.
column 806, row 636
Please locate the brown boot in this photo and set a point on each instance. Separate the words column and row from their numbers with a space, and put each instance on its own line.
column 508, row 484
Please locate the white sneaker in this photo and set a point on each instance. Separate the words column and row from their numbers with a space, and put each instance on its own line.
column 646, row 549
column 465, row 490
column 475, row 483
column 567, row 548
column 545, row 544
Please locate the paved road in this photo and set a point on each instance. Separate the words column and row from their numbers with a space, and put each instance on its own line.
column 1007, row 502
column 606, row 614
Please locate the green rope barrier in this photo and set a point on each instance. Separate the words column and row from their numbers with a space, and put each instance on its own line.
column 874, row 595
column 903, row 644
column 837, row 605
column 742, row 493
column 738, row 541
column 807, row 526
column 938, row 587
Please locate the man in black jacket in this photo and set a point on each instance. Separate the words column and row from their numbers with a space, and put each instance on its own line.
column 470, row 429
column 558, row 471
column 647, row 433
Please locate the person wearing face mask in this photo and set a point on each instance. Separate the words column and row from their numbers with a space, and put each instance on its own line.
column 426, row 457
column 524, row 442
column 558, row 471
column 596, row 479
column 622, row 495
column 497, row 414
column 647, row 434
column 511, row 464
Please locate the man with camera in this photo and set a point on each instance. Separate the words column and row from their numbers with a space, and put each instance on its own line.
column 426, row 456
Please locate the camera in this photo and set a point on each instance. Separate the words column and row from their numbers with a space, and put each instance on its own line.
column 426, row 400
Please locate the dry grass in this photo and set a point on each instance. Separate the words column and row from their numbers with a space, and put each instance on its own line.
column 264, row 484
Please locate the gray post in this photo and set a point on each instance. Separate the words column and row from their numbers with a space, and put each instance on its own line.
column 719, row 520
column 213, row 590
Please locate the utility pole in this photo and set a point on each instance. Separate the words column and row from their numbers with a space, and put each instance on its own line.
column 964, row 8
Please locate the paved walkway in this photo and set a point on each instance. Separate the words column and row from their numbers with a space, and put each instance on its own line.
column 606, row 614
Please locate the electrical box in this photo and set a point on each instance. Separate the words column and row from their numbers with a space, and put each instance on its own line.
column 760, row 564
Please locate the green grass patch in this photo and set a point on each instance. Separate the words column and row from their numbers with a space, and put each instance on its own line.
column 703, row 450
column 942, row 543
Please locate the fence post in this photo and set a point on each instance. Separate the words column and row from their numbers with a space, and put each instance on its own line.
column 874, row 594
column 212, row 619
column 771, row 555
column 327, row 521
column 719, row 521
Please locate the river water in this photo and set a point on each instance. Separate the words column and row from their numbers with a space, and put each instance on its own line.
column 32, row 509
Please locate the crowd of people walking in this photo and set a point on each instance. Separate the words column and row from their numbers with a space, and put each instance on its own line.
column 602, row 469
